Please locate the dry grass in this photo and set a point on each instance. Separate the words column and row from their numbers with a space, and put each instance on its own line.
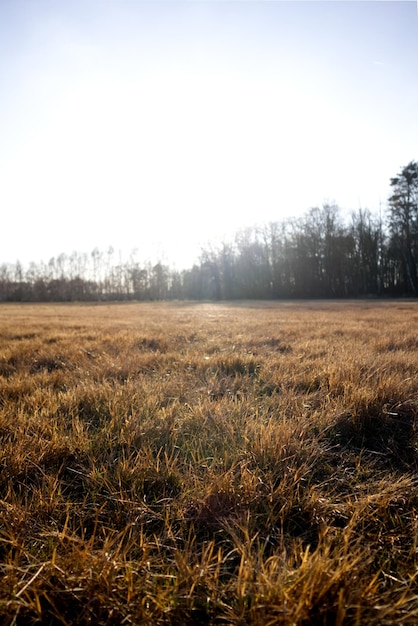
column 209, row 464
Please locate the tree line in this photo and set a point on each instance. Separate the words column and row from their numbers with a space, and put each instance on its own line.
column 318, row 255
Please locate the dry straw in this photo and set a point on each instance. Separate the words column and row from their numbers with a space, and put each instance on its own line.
column 209, row 464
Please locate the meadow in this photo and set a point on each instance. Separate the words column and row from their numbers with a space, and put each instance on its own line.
column 171, row 463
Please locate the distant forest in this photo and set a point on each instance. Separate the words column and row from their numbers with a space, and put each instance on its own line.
column 318, row 255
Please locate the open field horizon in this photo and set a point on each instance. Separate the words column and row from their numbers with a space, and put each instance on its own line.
column 209, row 463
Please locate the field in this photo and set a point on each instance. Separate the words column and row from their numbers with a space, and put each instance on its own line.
column 209, row 463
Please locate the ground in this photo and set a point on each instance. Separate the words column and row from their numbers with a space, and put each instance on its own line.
column 231, row 463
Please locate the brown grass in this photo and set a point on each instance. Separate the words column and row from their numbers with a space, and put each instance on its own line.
column 209, row 464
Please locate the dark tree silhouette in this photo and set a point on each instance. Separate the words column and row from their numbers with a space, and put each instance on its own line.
column 403, row 227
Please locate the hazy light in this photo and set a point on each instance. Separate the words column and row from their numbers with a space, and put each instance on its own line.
column 158, row 126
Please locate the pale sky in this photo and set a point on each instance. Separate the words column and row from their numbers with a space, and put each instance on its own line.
column 162, row 125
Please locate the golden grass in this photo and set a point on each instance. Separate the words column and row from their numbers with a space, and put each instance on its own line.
column 209, row 463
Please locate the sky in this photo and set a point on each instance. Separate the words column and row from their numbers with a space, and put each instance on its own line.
column 161, row 126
